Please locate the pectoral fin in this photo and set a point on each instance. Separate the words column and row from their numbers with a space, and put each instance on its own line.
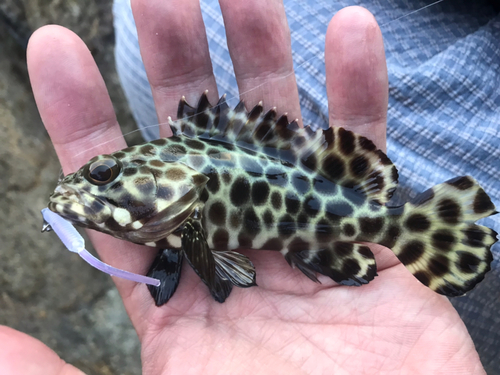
column 166, row 268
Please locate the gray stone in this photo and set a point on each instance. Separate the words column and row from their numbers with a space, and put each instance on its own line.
column 46, row 291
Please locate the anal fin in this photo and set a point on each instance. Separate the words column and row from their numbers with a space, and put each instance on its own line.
column 344, row 262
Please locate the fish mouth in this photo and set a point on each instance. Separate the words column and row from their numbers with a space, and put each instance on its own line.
column 78, row 206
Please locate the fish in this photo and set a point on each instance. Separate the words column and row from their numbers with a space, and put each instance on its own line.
column 232, row 179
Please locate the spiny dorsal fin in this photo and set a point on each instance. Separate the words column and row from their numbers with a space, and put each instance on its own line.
column 343, row 157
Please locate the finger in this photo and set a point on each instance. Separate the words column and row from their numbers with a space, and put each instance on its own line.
column 71, row 97
column 356, row 74
column 174, row 49
column 259, row 44
column 23, row 354
column 77, row 112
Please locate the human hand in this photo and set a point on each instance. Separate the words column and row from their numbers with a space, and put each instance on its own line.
column 288, row 324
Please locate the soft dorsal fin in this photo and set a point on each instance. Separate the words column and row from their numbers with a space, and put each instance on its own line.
column 341, row 156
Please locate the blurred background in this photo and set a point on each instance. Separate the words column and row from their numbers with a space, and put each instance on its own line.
column 44, row 290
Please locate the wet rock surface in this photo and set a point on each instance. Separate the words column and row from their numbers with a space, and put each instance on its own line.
column 46, row 291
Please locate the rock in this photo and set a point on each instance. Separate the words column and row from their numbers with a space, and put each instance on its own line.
column 46, row 291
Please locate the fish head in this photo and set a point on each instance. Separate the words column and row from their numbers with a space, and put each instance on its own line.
column 130, row 196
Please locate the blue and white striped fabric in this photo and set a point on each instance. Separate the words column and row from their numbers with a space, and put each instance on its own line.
column 444, row 105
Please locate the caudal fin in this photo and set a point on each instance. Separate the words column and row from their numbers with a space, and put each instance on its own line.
column 439, row 242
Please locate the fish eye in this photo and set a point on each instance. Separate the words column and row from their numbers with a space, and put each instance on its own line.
column 102, row 171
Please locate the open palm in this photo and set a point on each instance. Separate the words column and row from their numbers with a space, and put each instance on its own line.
column 287, row 324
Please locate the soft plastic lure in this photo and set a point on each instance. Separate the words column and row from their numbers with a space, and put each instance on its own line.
column 75, row 243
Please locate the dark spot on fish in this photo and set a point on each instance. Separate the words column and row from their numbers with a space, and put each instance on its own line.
column 468, row 263
column 268, row 219
column 474, row 236
column 449, row 211
column 324, row 231
column 439, row 265
column 333, row 167
column 411, row 252
column 461, row 183
column 423, row 277
column 240, row 192
column 226, row 177
column 349, row 230
column 194, row 144
column 286, row 226
column 302, row 220
column 365, row 252
column 160, row 142
column 346, row 141
column 139, row 162
column 244, row 240
column 251, row 166
column 359, row 166
column 117, row 186
column 311, row 162
column 119, row 155
column 148, row 150
column 276, row 200
column 443, row 240
column 311, row 205
column 129, row 150
column 251, row 222
column 199, row 179
column 482, row 203
column 277, row 176
column 196, row 160
column 371, row 226
column 450, row 290
column 227, row 146
column 340, row 209
column 366, row 144
column 417, row 223
column 156, row 163
column 424, row 197
column 145, row 185
column 204, row 195
column 221, row 239
column 343, row 249
column 260, row 192
column 391, row 236
column 213, row 183
column 350, row 267
column 156, row 172
column 292, row 203
column 300, row 183
column 217, row 213
column 176, row 150
column 394, row 173
column 383, row 157
column 273, row 244
column 164, row 192
column 127, row 172
column 112, row 225
column 298, row 244
column 235, row 220
column 175, row 174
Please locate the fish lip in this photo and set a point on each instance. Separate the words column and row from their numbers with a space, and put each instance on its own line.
column 78, row 202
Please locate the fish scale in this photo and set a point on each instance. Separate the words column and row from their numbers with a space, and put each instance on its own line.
column 230, row 179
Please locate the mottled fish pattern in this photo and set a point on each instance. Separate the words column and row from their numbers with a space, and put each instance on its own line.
column 230, row 179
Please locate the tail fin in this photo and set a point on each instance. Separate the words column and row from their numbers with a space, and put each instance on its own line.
column 439, row 242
